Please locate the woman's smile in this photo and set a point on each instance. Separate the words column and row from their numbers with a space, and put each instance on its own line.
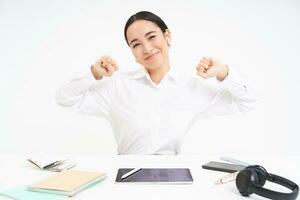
column 151, row 56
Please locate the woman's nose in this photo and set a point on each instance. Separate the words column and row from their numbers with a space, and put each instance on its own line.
column 147, row 47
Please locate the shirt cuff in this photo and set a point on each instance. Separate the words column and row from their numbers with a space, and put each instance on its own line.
column 89, row 80
column 79, row 85
column 232, row 80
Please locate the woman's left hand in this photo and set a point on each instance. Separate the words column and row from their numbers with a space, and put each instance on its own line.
column 210, row 67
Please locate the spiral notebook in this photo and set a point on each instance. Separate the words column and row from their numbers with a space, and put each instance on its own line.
column 156, row 175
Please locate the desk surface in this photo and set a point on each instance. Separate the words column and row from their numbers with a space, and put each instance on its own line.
column 15, row 171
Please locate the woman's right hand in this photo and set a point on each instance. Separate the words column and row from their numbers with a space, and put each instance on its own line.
column 105, row 66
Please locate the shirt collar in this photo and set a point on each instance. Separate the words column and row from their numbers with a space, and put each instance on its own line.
column 142, row 72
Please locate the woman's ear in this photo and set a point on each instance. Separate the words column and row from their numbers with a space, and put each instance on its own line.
column 168, row 37
column 169, row 41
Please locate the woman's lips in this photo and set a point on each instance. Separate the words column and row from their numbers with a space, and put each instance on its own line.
column 151, row 56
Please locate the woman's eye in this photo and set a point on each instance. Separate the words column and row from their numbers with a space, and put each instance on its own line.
column 151, row 37
column 135, row 45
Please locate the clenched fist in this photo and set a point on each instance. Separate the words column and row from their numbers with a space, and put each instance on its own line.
column 209, row 67
column 105, row 66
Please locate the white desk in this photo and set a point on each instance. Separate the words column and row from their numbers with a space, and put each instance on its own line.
column 15, row 171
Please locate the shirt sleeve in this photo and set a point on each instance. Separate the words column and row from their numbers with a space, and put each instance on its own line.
column 226, row 97
column 86, row 95
column 242, row 98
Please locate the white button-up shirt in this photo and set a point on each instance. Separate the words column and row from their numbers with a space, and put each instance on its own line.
column 149, row 118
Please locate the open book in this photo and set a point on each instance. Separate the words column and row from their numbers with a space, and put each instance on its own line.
column 51, row 163
column 67, row 183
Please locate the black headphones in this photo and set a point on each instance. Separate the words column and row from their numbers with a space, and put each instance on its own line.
column 252, row 179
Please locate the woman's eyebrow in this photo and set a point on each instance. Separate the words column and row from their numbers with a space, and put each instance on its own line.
column 145, row 36
column 150, row 32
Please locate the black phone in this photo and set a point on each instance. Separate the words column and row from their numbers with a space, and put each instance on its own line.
column 223, row 167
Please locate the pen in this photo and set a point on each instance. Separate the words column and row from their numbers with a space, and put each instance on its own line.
column 226, row 179
column 234, row 161
column 130, row 173
column 51, row 164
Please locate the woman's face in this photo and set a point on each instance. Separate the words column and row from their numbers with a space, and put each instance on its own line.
column 149, row 44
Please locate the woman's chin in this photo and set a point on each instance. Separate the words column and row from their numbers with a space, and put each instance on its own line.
column 152, row 67
column 155, row 64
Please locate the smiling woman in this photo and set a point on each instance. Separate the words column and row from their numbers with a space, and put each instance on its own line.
column 149, row 45
column 152, row 109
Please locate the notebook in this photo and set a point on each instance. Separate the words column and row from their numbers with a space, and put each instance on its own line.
column 67, row 183
column 156, row 175
column 21, row 193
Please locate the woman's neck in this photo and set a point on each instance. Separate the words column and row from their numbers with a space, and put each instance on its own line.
column 157, row 75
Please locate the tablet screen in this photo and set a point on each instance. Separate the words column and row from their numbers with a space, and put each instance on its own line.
column 158, row 175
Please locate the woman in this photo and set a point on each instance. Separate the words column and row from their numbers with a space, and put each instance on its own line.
column 151, row 109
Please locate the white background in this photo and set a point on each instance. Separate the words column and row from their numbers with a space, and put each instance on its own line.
column 44, row 44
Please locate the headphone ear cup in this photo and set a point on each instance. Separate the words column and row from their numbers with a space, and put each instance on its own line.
column 262, row 176
column 244, row 181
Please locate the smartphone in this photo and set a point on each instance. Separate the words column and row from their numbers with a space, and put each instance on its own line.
column 223, row 167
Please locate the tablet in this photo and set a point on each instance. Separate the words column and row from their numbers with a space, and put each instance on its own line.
column 156, row 175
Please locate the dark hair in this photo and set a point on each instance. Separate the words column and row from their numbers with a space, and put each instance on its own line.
column 145, row 15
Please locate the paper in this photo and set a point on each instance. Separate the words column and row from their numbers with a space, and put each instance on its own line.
column 21, row 193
